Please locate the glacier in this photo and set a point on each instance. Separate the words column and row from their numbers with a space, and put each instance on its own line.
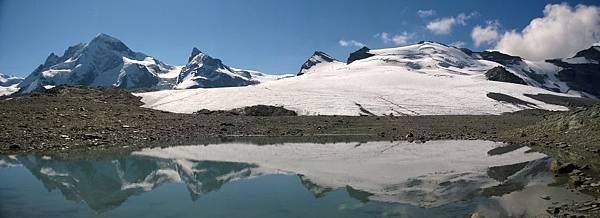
column 422, row 79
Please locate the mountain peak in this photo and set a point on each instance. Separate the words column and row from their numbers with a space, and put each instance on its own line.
column 195, row 52
column 317, row 58
column 51, row 59
column 104, row 40
column 104, row 61
column 204, row 71
column 324, row 56
column 431, row 42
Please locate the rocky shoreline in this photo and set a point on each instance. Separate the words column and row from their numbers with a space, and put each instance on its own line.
column 79, row 119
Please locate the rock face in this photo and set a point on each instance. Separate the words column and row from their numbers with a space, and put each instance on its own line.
column 576, row 75
column 265, row 111
column 500, row 74
column 498, row 57
column 582, row 71
column 203, row 71
column 104, row 61
column 359, row 54
column 592, row 53
column 255, row 110
column 317, row 58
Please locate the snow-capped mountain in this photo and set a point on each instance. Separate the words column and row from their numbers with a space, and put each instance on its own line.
column 104, row 61
column 204, row 71
column 422, row 79
column 8, row 84
column 317, row 58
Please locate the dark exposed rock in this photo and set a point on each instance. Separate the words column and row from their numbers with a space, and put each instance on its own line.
column 499, row 57
column 582, row 76
column 363, row 110
column 256, row 110
column 509, row 99
column 466, row 51
column 195, row 52
column 265, row 110
column 505, row 149
column 592, row 53
column 429, row 41
column 359, row 55
column 564, row 100
column 500, row 74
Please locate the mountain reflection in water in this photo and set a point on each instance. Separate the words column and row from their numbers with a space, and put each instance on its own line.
column 396, row 178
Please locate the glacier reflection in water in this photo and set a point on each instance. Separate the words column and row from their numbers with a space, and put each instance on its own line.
column 387, row 179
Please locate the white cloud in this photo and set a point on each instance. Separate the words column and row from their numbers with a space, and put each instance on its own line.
column 385, row 37
column 444, row 25
column 353, row 43
column 425, row 13
column 441, row 26
column 398, row 39
column 562, row 32
column 458, row 44
column 486, row 35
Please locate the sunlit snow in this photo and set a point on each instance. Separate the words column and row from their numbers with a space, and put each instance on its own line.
column 422, row 79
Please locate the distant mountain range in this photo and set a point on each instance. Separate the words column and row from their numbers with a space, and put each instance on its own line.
column 106, row 61
column 8, row 84
column 426, row 78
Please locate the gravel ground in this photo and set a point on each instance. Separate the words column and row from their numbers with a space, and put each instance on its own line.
column 76, row 118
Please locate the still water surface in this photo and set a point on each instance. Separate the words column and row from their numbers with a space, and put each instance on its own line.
column 366, row 179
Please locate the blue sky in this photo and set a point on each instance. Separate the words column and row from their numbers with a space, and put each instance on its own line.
column 273, row 36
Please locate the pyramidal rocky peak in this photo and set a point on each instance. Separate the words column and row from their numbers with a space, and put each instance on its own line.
column 317, row 58
column 204, row 71
column 104, row 61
